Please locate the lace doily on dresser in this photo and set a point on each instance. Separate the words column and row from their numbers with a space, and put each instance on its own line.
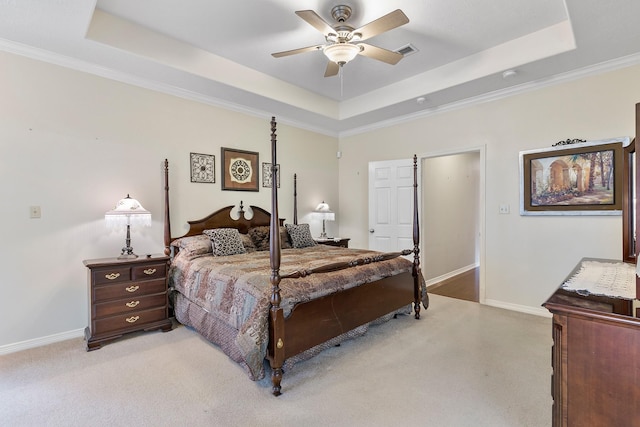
column 613, row 279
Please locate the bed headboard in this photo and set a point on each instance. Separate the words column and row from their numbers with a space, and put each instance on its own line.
column 222, row 219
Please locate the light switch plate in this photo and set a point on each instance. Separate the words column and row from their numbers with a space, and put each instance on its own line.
column 35, row 212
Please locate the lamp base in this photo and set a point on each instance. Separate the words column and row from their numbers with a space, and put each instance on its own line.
column 127, row 251
column 323, row 235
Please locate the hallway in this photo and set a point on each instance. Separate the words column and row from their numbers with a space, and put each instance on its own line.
column 463, row 286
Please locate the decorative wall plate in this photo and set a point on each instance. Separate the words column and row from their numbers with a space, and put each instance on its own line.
column 267, row 175
column 203, row 168
column 239, row 170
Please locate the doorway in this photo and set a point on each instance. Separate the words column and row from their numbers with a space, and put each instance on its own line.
column 391, row 205
column 453, row 223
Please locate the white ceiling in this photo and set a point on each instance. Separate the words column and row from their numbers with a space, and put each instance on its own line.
column 220, row 53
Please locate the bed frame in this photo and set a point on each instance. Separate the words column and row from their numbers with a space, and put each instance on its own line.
column 338, row 313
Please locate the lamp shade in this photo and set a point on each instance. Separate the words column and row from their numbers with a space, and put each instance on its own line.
column 324, row 212
column 128, row 211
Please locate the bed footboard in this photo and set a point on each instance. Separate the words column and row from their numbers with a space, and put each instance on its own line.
column 317, row 321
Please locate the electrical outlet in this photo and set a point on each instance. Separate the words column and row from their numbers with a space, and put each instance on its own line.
column 35, row 212
column 503, row 209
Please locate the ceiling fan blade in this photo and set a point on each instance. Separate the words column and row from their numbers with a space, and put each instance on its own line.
column 379, row 53
column 316, row 21
column 296, row 51
column 332, row 69
column 385, row 23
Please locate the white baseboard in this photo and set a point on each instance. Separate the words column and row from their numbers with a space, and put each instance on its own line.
column 493, row 303
column 517, row 307
column 449, row 275
column 37, row 342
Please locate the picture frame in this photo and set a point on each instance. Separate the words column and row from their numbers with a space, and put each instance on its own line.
column 582, row 178
column 267, row 175
column 239, row 169
column 203, row 168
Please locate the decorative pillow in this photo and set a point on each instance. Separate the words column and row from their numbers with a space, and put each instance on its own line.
column 300, row 235
column 260, row 238
column 193, row 245
column 247, row 243
column 285, row 240
column 225, row 241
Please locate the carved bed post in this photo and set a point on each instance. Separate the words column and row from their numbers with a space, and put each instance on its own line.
column 167, row 224
column 417, row 276
column 276, row 315
column 295, row 198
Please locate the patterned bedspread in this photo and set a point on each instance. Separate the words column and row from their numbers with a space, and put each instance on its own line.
column 236, row 291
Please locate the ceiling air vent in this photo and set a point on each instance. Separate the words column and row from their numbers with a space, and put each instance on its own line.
column 407, row 50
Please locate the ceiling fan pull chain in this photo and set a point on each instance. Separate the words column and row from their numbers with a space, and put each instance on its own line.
column 341, row 80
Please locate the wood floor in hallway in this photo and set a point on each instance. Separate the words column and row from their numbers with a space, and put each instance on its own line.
column 463, row 286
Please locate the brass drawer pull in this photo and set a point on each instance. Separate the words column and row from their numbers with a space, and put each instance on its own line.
column 112, row 276
column 132, row 288
column 132, row 319
column 149, row 271
column 132, row 304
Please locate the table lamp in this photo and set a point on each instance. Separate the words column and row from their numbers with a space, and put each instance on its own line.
column 324, row 213
column 128, row 211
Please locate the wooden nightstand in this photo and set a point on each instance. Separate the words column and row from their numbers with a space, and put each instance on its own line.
column 126, row 296
column 336, row 241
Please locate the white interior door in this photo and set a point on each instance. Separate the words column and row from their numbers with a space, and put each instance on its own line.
column 391, row 205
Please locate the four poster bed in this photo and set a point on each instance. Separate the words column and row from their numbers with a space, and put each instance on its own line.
column 286, row 303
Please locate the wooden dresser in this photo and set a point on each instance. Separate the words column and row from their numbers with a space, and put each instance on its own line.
column 126, row 296
column 595, row 359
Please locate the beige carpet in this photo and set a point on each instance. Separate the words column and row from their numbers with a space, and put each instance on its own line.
column 462, row 364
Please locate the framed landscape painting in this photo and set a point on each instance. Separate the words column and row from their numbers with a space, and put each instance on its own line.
column 574, row 179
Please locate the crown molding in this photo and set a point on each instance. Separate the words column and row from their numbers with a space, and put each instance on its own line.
column 592, row 70
column 100, row 71
column 84, row 66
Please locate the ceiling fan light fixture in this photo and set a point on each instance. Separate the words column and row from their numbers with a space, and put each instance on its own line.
column 343, row 42
column 341, row 53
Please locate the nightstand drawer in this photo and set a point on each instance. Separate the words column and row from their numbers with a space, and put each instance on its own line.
column 147, row 272
column 129, row 305
column 129, row 289
column 111, row 275
column 129, row 320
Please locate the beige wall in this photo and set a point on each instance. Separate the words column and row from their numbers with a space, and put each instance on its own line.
column 525, row 257
column 74, row 144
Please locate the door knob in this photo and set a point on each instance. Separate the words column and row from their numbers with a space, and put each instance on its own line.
column 371, row 230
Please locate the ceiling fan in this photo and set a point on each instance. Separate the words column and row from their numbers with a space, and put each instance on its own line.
column 343, row 42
